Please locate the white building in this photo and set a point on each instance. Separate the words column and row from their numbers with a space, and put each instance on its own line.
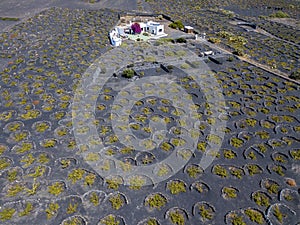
column 115, row 38
column 153, row 28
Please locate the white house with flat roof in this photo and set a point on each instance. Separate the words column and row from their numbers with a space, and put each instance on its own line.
column 153, row 28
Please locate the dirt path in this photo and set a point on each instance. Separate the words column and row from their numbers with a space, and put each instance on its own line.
column 264, row 32
column 251, row 61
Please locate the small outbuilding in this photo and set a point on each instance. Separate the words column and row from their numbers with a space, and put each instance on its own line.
column 188, row 29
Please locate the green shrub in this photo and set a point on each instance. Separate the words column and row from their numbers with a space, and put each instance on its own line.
column 181, row 40
column 239, row 52
column 278, row 214
column 229, row 192
column 279, row 14
column 116, row 201
column 156, row 201
column 176, row 187
column 177, row 218
column 128, row 73
column 220, row 171
column 177, row 25
column 206, row 212
column 214, row 40
column 255, row 216
column 7, row 214
column 261, row 199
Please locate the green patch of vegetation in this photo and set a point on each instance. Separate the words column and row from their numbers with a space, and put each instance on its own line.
column 201, row 146
column 251, row 122
column 200, row 187
column 41, row 127
column 235, row 40
column 177, row 218
column 156, row 201
column 288, row 196
column 3, row 148
column 279, row 14
column 238, row 173
column 25, row 147
column 278, row 214
column 114, row 183
column 255, row 216
column 33, row 190
column 94, row 199
column 51, row 210
column 27, row 210
column 237, row 220
column 56, row 188
column 4, row 163
column 295, row 154
column 73, row 221
column 220, row 171
column 214, row 40
column 110, row 220
column 30, row 114
column 14, row 190
column 64, row 163
column 89, row 179
column 137, row 182
column 253, row 169
column 127, row 150
column 261, row 199
column 135, row 126
column 177, row 25
column 193, row 171
column 12, row 175
column 128, row 73
column 262, row 147
column 236, row 142
column 185, row 154
column 251, row 155
column 92, row 157
column 116, row 201
column 278, row 169
column 206, row 213
column 49, row 143
column 176, row 187
column 43, row 158
column 229, row 154
column 238, row 52
column 229, row 192
column 272, row 187
column 263, row 134
column 150, row 59
column 166, row 146
column 163, row 41
column 7, row 214
column 152, row 221
column 163, row 170
column 215, row 139
column 38, row 171
column 75, row 175
column 125, row 166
